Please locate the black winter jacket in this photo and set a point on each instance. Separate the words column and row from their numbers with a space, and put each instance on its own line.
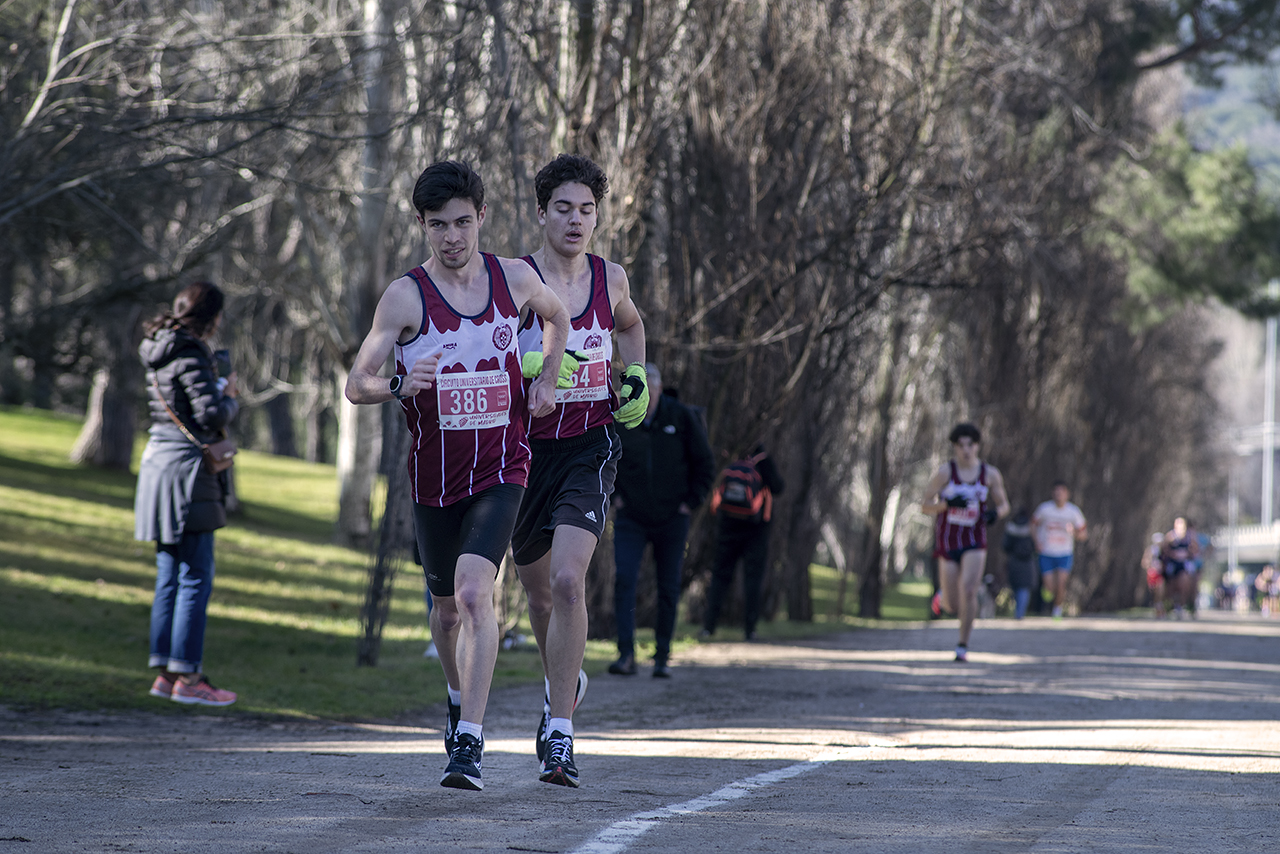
column 183, row 366
column 665, row 461
column 176, row 494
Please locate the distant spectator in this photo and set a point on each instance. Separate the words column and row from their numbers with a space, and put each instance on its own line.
column 743, row 505
column 1267, row 583
column 665, row 472
column 179, row 501
column 1020, row 550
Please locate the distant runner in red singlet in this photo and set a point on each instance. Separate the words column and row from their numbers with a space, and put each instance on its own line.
column 575, row 448
column 453, row 322
column 966, row 495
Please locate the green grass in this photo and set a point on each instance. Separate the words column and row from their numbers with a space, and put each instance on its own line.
column 75, row 593
column 76, row 589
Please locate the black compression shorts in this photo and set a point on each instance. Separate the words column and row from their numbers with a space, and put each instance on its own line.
column 479, row 524
column 570, row 481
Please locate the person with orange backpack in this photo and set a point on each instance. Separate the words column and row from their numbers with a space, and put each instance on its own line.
column 743, row 504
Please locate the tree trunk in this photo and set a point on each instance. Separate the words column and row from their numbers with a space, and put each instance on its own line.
column 106, row 439
column 871, row 590
column 395, row 544
column 283, row 440
column 360, row 428
column 359, row 448
column 10, row 387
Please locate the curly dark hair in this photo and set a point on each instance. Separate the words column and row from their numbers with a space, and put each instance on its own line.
column 960, row 431
column 195, row 309
column 444, row 181
column 566, row 169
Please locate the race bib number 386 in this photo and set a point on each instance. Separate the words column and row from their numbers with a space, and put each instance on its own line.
column 474, row 401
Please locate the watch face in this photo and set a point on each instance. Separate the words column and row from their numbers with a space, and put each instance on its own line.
column 395, row 384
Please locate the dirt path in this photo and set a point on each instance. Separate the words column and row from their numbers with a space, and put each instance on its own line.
column 1078, row 735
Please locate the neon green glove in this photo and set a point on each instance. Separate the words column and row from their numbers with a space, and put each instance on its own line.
column 531, row 367
column 634, row 397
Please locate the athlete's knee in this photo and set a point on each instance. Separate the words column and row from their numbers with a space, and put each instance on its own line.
column 537, row 590
column 567, row 587
column 444, row 616
column 474, row 603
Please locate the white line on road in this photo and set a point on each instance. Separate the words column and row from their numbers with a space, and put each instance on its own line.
column 617, row 836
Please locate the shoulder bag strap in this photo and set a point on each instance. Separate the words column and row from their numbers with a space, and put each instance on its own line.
column 156, row 382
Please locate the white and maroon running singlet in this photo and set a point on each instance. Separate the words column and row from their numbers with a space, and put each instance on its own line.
column 961, row 529
column 590, row 401
column 468, row 429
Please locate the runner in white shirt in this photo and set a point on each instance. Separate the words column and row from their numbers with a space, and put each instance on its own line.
column 1056, row 526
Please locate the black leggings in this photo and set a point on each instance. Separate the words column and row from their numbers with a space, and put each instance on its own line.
column 479, row 524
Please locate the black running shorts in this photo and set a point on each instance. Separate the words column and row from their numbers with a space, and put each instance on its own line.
column 570, row 481
column 479, row 524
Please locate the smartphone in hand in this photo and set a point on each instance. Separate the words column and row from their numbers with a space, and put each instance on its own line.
column 222, row 360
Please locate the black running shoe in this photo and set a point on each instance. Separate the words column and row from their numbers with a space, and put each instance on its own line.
column 451, row 727
column 558, row 765
column 541, row 742
column 463, row 770
column 541, row 738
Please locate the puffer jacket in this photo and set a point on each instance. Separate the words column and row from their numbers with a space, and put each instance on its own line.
column 176, row 493
column 183, row 366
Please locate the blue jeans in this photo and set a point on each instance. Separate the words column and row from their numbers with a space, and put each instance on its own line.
column 629, row 540
column 1021, row 598
column 184, row 580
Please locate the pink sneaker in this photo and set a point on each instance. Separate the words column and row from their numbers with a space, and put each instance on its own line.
column 201, row 693
column 163, row 686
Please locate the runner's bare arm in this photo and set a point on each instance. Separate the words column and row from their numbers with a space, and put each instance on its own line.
column 398, row 316
column 997, row 492
column 527, row 289
column 628, row 327
column 932, row 503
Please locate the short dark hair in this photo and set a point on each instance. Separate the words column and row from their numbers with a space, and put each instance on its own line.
column 195, row 309
column 1058, row 483
column 444, row 181
column 960, row 431
column 566, row 169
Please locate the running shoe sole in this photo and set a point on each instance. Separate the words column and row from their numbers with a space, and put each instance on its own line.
column 461, row 780
column 560, row 777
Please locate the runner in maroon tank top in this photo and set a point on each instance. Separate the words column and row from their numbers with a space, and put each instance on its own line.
column 966, row 495
column 452, row 322
column 575, row 448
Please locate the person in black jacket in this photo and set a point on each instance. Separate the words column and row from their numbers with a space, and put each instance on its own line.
column 179, row 502
column 1020, row 547
column 743, row 532
column 664, row 474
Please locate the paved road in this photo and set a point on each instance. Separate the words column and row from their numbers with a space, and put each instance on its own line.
column 1086, row 735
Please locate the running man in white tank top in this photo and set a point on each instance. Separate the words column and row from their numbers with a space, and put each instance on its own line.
column 1057, row 526
column 452, row 322
column 575, row 448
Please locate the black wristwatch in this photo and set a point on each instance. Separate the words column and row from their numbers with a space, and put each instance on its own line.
column 397, row 380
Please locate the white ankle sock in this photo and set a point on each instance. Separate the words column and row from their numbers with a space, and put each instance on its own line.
column 455, row 696
column 471, row 729
column 562, row 725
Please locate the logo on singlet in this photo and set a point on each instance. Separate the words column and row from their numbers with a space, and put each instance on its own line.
column 593, row 341
column 502, row 337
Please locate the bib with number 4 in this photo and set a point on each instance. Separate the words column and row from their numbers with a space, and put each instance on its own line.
column 966, row 516
column 474, row 401
column 589, row 382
